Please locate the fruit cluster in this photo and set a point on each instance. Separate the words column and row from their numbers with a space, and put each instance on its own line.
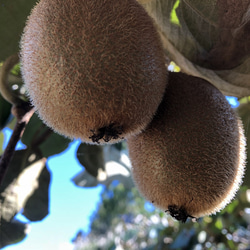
column 95, row 70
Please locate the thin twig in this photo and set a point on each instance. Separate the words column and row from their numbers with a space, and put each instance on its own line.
column 21, row 110
column 16, row 135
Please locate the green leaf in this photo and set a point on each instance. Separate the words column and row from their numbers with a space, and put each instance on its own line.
column 183, row 239
column 91, row 157
column 85, row 179
column 208, row 39
column 219, row 224
column 20, row 182
column 16, row 70
column 120, row 146
column 5, row 112
column 37, row 206
column 17, row 86
column 232, row 206
column 173, row 17
column 16, row 165
column 13, row 15
column 37, row 134
column 103, row 164
column 231, row 245
column 55, row 144
column 12, row 232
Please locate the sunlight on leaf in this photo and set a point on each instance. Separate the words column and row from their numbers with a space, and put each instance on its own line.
column 193, row 34
column 173, row 67
column 231, row 207
column 208, row 219
column 173, row 16
column 219, row 224
column 27, row 181
column 16, row 70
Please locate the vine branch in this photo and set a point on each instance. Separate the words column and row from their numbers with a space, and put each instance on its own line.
column 20, row 109
column 15, row 137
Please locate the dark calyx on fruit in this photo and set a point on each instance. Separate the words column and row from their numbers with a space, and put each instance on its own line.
column 107, row 133
column 179, row 214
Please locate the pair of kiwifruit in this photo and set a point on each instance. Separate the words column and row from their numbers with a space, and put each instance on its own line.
column 96, row 70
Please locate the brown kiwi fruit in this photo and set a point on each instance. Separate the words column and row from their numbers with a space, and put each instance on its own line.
column 94, row 70
column 190, row 159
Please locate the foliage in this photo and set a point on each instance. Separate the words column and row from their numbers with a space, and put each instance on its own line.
column 123, row 218
column 13, row 15
column 207, row 39
column 121, row 221
column 25, row 188
column 125, row 221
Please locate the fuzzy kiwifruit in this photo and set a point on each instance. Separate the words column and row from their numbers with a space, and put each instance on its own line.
column 94, row 69
column 190, row 159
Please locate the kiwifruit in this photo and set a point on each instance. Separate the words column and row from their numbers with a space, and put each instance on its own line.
column 190, row 159
column 93, row 69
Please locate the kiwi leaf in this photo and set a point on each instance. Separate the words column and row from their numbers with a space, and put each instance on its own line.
column 99, row 160
column 12, row 232
column 37, row 134
column 200, row 26
column 13, row 15
column 5, row 112
column 91, row 157
column 183, row 239
column 24, row 179
column 210, row 40
column 94, row 157
column 37, row 206
column 84, row 179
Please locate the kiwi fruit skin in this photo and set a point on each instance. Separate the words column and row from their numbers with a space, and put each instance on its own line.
column 192, row 155
column 93, row 67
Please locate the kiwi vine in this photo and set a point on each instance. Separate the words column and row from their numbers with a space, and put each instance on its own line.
column 107, row 133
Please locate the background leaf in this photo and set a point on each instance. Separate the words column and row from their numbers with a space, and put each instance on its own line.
column 37, row 206
column 13, row 15
column 38, row 135
column 20, row 182
column 12, row 232
column 91, row 157
column 5, row 112
column 103, row 165
column 211, row 40
column 85, row 179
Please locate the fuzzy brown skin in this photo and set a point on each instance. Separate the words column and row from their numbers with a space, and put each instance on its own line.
column 94, row 69
column 191, row 157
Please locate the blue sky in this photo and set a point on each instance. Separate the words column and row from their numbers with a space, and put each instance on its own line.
column 70, row 206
